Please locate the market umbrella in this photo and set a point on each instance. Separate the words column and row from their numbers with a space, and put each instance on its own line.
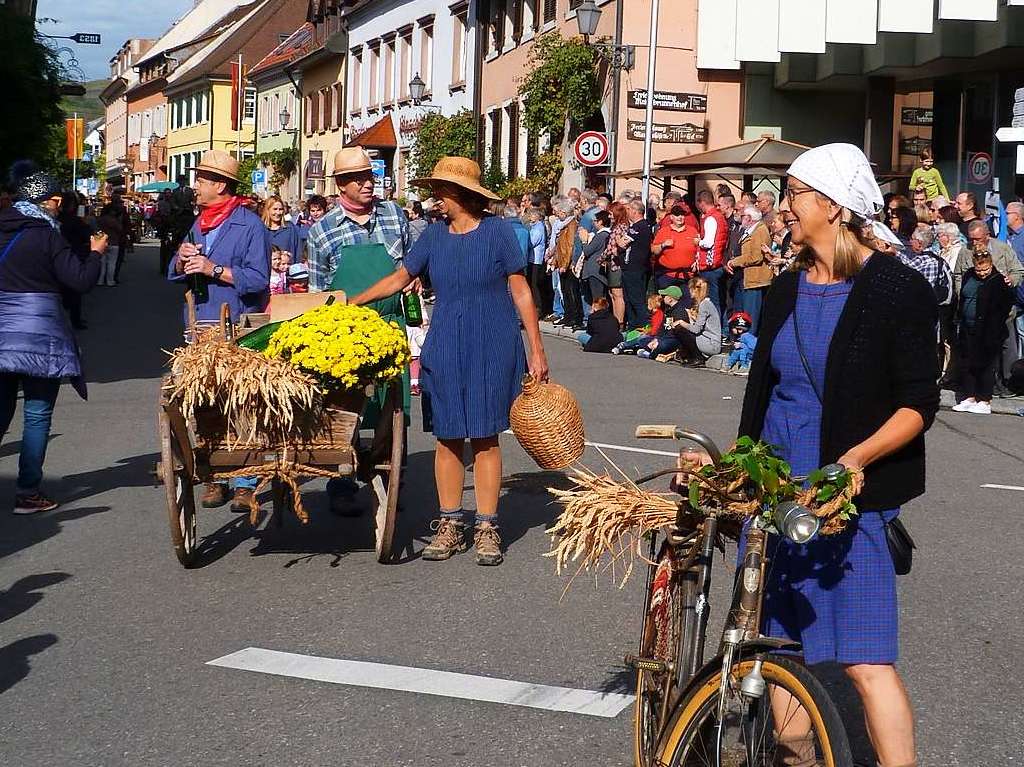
column 157, row 186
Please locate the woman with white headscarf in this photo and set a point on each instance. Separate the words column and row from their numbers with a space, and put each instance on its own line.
column 845, row 372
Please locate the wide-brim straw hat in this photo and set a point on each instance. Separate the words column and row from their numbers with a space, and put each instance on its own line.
column 351, row 159
column 219, row 162
column 460, row 171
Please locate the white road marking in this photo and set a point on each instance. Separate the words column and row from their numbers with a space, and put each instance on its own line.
column 383, row 676
column 1004, row 487
column 622, row 448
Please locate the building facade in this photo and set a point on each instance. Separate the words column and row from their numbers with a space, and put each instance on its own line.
column 696, row 110
column 321, row 74
column 278, row 111
column 389, row 44
column 210, row 106
column 120, row 161
column 893, row 76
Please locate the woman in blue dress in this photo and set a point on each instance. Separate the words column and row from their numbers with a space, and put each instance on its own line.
column 473, row 360
column 284, row 234
column 845, row 372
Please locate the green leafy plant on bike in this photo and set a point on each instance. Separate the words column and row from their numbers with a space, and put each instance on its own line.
column 751, row 479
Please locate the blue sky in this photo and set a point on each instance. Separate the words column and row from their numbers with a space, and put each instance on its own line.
column 115, row 20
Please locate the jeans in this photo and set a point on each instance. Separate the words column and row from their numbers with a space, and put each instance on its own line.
column 556, row 287
column 1020, row 332
column 634, row 289
column 40, row 396
column 753, row 299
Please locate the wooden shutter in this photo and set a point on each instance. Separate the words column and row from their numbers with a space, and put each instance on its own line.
column 531, row 152
column 550, row 10
column 517, row 20
column 495, row 156
column 513, row 140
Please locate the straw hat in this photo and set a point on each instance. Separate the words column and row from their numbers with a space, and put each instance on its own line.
column 460, row 171
column 219, row 162
column 351, row 159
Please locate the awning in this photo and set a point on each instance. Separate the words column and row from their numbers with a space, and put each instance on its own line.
column 380, row 135
column 765, row 154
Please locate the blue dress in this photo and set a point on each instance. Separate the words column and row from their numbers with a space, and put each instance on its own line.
column 837, row 594
column 473, row 359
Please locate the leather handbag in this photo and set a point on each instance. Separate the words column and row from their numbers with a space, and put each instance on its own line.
column 901, row 545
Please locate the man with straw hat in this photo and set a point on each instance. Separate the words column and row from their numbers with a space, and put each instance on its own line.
column 473, row 360
column 228, row 248
column 355, row 244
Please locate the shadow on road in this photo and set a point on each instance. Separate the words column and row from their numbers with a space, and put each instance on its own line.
column 26, row 593
column 851, row 711
column 14, row 658
column 134, row 471
column 17, row 533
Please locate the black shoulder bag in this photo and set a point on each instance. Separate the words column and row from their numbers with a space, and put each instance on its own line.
column 901, row 545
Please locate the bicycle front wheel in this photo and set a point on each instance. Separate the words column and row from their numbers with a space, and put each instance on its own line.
column 794, row 721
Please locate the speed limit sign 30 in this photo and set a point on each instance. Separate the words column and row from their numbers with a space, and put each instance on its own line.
column 591, row 149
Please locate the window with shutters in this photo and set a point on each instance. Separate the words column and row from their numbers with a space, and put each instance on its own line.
column 339, row 106
column 389, row 71
column 355, row 88
column 459, row 27
column 374, row 67
column 550, row 11
column 405, row 64
column 529, row 19
column 574, row 4
column 327, row 114
column 426, row 70
column 512, row 115
column 248, row 106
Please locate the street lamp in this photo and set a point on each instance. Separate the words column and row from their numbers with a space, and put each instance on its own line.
column 154, row 161
column 417, row 90
column 285, row 117
column 587, row 17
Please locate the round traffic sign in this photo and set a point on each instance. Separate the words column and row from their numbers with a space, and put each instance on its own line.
column 591, row 149
column 979, row 167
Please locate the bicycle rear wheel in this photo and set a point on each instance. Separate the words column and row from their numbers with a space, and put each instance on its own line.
column 673, row 594
column 794, row 722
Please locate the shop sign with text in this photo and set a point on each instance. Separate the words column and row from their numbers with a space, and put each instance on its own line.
column 670, row 100
column 916, row 116
column 687, row 133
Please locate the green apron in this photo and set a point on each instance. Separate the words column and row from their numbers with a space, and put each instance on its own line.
column 359, row 267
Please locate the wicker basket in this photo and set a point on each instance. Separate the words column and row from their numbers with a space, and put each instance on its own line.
column 546, row 420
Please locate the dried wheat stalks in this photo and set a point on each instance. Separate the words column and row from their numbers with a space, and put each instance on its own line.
column 263, row 399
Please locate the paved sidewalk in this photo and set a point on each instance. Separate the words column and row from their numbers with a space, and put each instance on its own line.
column 1000, row 405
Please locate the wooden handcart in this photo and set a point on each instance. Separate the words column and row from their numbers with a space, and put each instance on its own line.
column 203, row 450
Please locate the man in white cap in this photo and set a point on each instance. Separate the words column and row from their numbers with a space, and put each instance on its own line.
column 353, row 246
column 228, row 248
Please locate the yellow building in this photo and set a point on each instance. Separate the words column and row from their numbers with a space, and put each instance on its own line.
column 322, row 123
column 202, row 110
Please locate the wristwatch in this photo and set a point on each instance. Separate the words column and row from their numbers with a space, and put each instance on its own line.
column 218, row 270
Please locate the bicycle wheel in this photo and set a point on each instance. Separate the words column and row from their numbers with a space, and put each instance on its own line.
column 750, row 730
column 672, row 596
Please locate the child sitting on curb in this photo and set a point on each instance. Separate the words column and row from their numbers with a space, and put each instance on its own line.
column 653, row 327
column 743, row 345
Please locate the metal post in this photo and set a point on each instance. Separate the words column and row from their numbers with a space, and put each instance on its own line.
column 241, row 108
column 616, row 73
column 649, row 123
column 74, row 152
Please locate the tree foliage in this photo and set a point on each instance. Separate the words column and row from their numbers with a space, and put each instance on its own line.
column 440, row 136
column 561, row 87
column 282, row 162
column 32, row 75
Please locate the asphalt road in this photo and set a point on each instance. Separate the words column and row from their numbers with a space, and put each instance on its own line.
column 104, row 637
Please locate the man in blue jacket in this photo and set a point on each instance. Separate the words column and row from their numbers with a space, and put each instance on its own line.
column 228, row 247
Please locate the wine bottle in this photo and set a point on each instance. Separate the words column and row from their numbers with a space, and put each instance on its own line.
column 413, row 309
column 197, row 281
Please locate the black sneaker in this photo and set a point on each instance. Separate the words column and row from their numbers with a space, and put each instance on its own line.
column 33, row 503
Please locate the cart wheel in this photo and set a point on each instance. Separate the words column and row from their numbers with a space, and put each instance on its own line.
column 387, row 479
column 181, row 505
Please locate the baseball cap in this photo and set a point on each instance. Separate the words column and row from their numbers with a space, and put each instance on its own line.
column 298, row 272
column 673, row 291
column 740, row 320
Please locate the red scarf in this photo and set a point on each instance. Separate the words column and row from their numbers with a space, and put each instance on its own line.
column 354, row 208
column 212, row 216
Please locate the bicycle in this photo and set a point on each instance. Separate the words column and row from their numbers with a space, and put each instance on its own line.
column 750, row 704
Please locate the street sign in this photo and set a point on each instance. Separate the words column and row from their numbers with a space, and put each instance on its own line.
column 1010, row 135
column 259, row 180
column 670, row 100
column 687, row 133
column 591, row 149
column 979, row 167
column 379, row 168
column 86, row 38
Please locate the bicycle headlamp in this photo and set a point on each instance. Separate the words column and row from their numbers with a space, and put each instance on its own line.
column 796, row 522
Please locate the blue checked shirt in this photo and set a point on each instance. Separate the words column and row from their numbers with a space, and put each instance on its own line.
column 387, row 226
column 930, row 267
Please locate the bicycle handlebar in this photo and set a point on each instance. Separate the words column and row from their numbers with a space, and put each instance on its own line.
column 664, row 431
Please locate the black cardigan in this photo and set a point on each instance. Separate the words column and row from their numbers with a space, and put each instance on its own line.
column 995, row 298
column 881, row 359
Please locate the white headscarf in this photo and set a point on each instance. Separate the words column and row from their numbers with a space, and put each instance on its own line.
column 842, row 173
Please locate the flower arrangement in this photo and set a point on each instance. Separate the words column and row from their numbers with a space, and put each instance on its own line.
column 344, row 346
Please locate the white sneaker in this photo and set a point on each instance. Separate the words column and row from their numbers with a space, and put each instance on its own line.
column 981, row 408
column 965, row 405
